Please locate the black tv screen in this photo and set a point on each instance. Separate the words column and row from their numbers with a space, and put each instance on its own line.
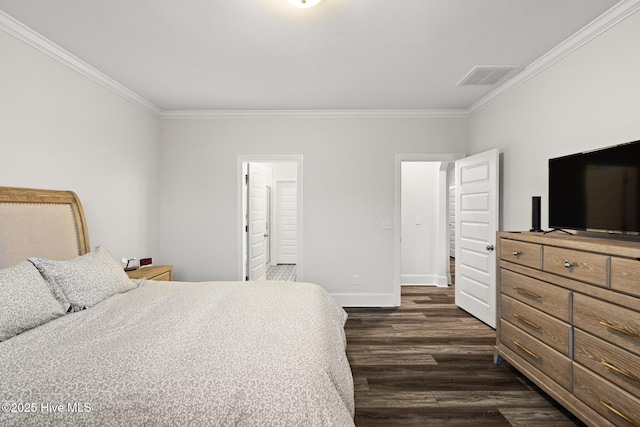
column 596, row 190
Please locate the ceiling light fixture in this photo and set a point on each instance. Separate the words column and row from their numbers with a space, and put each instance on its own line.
column 304, row 3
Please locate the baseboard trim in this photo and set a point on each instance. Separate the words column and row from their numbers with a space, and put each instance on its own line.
column 425, row 285
column 423, row 280
column 365, row 300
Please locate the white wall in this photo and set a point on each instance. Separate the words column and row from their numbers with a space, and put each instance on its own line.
column 420, row 209
column 60, row 130
column 285, row 172
column 590, row 99
column 348, row 190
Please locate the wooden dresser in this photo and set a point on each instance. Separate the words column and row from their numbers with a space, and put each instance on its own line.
column 569, row 319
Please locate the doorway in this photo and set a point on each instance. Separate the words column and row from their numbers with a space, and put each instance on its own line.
column 438, row 225
column 422, row 217
column 270, row 217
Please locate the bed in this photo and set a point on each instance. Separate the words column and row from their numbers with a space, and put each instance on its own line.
column 82, row 344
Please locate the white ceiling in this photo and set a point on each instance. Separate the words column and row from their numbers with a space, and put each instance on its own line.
column 340, row 55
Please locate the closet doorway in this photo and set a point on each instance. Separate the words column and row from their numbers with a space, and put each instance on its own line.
column 270, row 217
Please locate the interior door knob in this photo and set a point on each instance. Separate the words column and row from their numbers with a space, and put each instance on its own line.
column 489, row 247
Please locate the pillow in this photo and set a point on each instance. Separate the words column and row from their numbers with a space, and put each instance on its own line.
column 26, row 301
column 87, row 279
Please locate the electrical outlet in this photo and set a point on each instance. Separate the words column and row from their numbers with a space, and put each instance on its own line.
column 356, row 279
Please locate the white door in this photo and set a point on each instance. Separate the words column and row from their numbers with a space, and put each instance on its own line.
column 452, row 221
column 476, row 226
column 256, row 221
column 287, row 222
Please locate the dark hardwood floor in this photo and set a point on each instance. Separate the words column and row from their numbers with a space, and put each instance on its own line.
column 429, row 363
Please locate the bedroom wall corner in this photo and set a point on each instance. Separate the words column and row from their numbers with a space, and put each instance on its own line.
column 61, row 130
column 587, row 100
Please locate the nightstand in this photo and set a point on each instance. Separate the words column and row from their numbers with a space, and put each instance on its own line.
column 152, row 272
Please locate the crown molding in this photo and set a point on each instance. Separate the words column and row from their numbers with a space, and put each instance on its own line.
column 20, row 31
column 604, row 22
column 601, row 24
column 315, row 114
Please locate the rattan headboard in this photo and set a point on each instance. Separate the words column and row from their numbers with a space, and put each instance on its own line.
column 42, row 223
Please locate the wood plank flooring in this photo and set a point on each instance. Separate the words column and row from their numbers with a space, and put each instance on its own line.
column 429, row 363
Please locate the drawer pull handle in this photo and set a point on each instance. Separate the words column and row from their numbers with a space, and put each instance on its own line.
column 568, row 264
column 621, row 330
column 620, row 414
column 527, row 293
column 516, row 253
column 528, row 322
column 621, row 372
column 526, row 350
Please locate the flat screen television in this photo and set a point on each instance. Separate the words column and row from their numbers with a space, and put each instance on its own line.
column 596, row 190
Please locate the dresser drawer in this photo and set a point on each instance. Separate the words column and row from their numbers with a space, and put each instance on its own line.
column 625, row 275
column 536, row 353
column 547, row 329
column 544, row 296
column 613, row 403
column 610, row 322
column 529, row 254
column 578, row 265
column 613, row 363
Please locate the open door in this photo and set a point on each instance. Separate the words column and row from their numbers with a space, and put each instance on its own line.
column 257, row 220
column 476, row 223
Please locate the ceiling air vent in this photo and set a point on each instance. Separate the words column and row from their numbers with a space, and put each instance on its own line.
column 487, row 75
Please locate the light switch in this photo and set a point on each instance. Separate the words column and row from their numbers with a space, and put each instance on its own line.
column 418, row 220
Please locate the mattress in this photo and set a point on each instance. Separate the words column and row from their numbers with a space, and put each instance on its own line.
column 181, row 353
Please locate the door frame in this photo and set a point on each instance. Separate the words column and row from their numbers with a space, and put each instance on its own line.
column 267, row 158
column 268, row 228
column 397, row 218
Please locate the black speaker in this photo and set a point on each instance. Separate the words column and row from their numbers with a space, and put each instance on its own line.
column 535, row 214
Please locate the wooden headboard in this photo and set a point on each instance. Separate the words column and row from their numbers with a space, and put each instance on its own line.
column 41, row 223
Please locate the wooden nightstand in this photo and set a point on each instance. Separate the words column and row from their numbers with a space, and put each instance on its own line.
column 152, row 272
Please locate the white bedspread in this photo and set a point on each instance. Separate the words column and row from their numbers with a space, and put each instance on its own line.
column 177, row 353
